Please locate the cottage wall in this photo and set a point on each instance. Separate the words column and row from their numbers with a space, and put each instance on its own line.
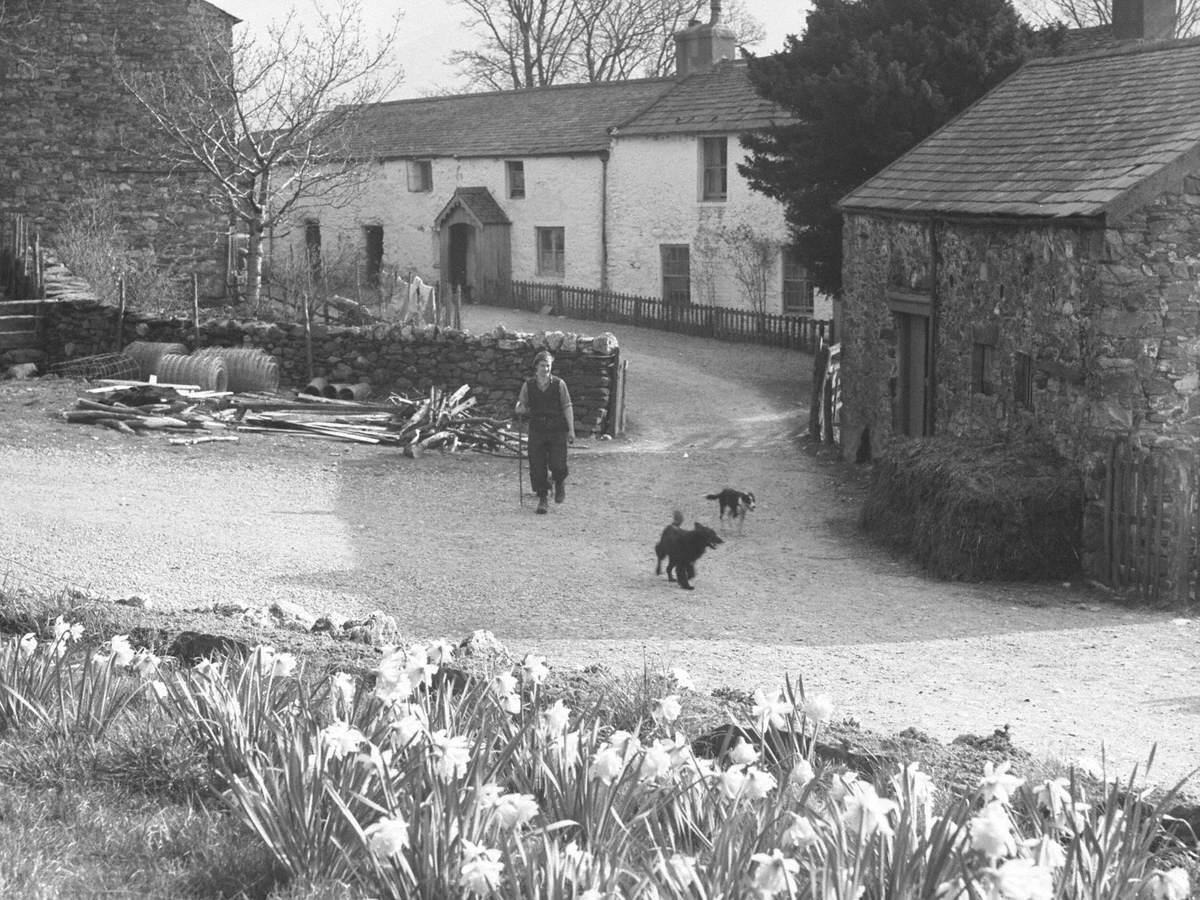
column 654, row 191
column 71, row 129
column 1108, row 318
column 560, row 192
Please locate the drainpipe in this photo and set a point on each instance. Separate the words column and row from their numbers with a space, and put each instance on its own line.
column 604, row 156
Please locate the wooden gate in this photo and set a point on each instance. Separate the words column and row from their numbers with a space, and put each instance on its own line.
column 1150, row 523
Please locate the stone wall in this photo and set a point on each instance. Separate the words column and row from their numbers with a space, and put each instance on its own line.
column 1108, row 318
column 72, row 130
column 392, row 358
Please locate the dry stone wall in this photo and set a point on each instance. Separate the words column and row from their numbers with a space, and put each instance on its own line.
column 399, row 359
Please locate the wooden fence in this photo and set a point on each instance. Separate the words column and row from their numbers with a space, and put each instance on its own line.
column 20, row 259
column 1150, row 525
column 720, row 322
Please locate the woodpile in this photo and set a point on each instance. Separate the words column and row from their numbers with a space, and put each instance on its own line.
column 440, row 421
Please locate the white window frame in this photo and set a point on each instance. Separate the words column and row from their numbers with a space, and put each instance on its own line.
column 551, row 244
column 806, row 304
column 420, row 175
column 514, row 178
column 714, row 168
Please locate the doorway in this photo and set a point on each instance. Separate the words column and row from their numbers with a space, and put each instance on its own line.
column 461, row 239
column 913, row 408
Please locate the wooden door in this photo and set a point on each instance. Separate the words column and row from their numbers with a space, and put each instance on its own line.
column 913, row 389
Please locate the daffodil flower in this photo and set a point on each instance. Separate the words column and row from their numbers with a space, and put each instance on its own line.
column 514, row 810
column 341, row 738
column 743, row 753
column 28, row 645
column 1171, row 885
column 683, row 680
column 991, row 832
column 388, row 836
column 534, row 669
column 555, row 718
column 667, row 709
column 452, row 754
column 774, row 873
column 997, row 784
column 771, row 709
column 481, row 868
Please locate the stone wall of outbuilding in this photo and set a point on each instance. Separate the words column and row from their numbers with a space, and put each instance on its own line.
column 1108, row 317
column 400, row 359
column 72, row 130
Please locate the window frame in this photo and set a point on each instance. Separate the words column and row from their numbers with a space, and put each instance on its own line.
column 514, row 178
column 420, row 176
column 665, row 252
column 711, row 168
column 790, row 262
column 312, row 248
column 556, row 256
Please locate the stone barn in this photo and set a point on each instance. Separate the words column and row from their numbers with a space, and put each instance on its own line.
column 1034, row 268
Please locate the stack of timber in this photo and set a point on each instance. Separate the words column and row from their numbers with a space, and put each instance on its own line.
column 439, row 421
column 133, row 407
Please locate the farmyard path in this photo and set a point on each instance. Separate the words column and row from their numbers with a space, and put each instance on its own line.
column 442, row 544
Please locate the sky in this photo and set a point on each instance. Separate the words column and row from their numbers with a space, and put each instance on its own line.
column 431, row 29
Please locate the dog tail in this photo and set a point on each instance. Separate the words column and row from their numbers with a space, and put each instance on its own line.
column 712, row 496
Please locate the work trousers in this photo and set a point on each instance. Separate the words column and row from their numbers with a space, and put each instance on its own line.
column 547, row 449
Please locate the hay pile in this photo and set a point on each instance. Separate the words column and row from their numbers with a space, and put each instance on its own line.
column 1006, row 512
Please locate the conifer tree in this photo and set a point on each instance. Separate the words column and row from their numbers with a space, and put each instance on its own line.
column 869, row 80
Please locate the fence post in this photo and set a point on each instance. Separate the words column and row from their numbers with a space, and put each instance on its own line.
column 196, row 307
column 120, row 312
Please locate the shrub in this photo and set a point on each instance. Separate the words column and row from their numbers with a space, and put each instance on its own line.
column 1004, row 511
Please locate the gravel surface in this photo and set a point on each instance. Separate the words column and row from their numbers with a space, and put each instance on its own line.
column 443, row 544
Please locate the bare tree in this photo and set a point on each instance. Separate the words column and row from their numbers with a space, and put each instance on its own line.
column 1087, row 13
column 271, row 122
column 534, row 43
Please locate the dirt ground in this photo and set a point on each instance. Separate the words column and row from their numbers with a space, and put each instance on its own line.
column 443, row 544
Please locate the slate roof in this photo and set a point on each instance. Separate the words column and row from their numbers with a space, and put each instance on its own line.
column 1066, row 136
column 717, row 99
column 556, row 120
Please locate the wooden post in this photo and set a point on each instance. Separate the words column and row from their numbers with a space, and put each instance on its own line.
column 120, row 312
column 196, row 307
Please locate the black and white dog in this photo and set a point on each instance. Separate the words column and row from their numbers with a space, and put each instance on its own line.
column 735, row 503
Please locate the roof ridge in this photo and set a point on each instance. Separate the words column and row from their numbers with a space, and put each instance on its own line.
column 547, row 88
column 1133, row 48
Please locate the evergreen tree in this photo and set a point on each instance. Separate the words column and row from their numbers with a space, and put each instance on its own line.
column 868, row 81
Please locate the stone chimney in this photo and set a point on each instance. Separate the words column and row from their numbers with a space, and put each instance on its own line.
column 701, row 46
column 1148, row 20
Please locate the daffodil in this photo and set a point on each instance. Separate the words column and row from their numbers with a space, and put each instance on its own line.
column 1047, row 852
column 774, row 873
column 997, row 784
column 121, row 650
column 1170, row 885
column 771, row 709
column 682, row 869
column 991, row 831
column 667, row 709
column 145, row 663
column 866, row 812
column 514, row 810
column 819, row 708
column 504, row 684
column 733, row 781
column 389, row 836
column 799, row 835
column 481, row 868
column 1022, row 879
column 682, row 678
column 759, row 783
column 28, row 645
column 409, row 726
column 743, row 753
column 534, row 669
column 341, row 738
column 800, row 775
column 440, row 652
column 452, row 755
column 607, row 764
column 655, row 764
column 1054, row 797
column 556, row 717
column 342, row 686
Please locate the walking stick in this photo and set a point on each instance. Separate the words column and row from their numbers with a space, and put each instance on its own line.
column 521, row 461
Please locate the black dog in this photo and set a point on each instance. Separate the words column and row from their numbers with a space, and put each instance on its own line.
column 736, row 503
column 682, row 547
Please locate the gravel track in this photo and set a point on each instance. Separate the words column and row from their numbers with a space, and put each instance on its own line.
column 443, row 544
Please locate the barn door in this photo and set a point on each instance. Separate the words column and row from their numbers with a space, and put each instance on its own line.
column 914, row 400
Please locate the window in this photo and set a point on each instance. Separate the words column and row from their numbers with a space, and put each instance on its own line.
column 514, row 172
column 550, row 251
column 1023, row 380
column 676, row 275
column 797, row 289
column 420, row 175
column 312, row 247
column 373, row 237
column 714, row 154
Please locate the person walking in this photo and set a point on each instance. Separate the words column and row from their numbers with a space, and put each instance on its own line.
column 547, row 402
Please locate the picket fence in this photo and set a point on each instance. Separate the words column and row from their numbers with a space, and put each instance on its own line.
column 723, row 323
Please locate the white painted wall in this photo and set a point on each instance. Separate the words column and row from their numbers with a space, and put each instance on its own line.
column 654, row 199
column 559, row 192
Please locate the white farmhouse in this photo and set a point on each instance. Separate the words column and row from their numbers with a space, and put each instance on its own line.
column 627, row 186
